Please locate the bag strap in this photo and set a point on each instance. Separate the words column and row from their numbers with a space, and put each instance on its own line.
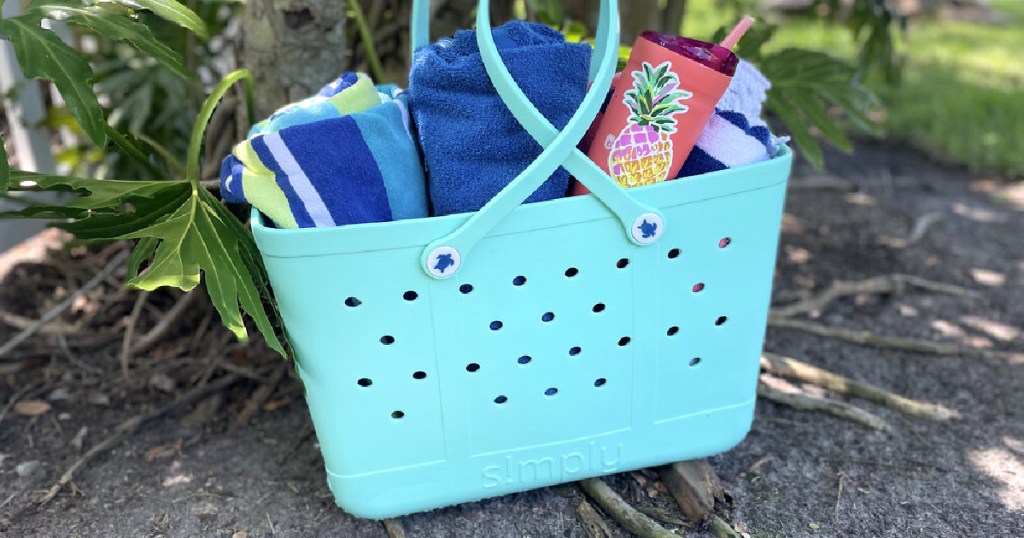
column 443, row 258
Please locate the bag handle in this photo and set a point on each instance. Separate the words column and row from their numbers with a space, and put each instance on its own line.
column 443, row 258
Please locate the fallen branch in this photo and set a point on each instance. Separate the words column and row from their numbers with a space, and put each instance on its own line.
column 52, row 328
column 167, row 322
column 721, row 529
column 868, row 338
column 894, row 283
column 695, row 487
column 790, row 367
column 65, row 304
column 621, row 511
column 130, row 426
column 260, row 396
column 593, row 524
column 394, row 527
column 129, row 332
column 824, row 405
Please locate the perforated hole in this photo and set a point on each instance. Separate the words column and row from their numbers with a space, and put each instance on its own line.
column 571, row 272
column 410, row 295
column 695, row 361
column 519, row 280
column 419, row 375
column 501, row 399
column 672, row 331
column 724, row 242
column 674, row 253
column 548, row 316
column 365, row 382
column 551, row 391
column 599, row 307
column 698, row 287
column 496, row 324
column 397, row 414
column 599, row 382
column 525, row 359
column 721, row 320
column 466, row 288
column 624, row 341
column 387, row 339
column 352, row 302
column 472, row 367
column 575, row 350
column 622, row 263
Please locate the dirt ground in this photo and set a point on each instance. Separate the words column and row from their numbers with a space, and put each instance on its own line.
column 798, row 474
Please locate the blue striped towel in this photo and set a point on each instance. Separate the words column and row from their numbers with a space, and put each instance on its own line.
column 333, row 167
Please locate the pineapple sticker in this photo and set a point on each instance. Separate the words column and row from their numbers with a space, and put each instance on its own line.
column 642, row 152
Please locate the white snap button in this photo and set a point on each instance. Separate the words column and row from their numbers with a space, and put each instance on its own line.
column 443, row 262
column 647, row 228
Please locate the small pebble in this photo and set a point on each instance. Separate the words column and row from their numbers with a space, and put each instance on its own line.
column 27, row 468
column 59, row 394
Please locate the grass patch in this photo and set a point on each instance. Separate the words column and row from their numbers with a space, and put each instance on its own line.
column 962, row 95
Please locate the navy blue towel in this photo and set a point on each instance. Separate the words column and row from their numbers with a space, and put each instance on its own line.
column 472, row 144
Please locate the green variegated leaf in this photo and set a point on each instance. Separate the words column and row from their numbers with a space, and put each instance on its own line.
column 42, row 54
column 113, row 25
column 173, row 11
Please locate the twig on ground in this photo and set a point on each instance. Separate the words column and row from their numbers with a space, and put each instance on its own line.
column 130, row 426
column 664, row 516
column 394, row 527
column 166, row 323
column 260, row 395
column 53, row 327
column 593, row 524
column 622, row 512
column 18, row 396
column 839, row 495
column 894, row 283
column 721, row 529
column 695, row 486
column 868, row 338
column 825, row 405
column 112, row 265
column 921, row 226
column 790, row 367
column 129, row 332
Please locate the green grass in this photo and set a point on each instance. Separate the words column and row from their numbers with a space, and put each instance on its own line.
column 962, row 95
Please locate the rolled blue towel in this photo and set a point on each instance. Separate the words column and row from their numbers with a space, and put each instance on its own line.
column 729, row 140
column 472, row 144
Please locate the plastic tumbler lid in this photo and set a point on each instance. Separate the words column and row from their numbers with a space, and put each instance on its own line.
column 711, row 55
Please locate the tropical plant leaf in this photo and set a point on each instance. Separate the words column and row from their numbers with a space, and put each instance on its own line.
column 114, row 25
column 42, row 54
column 182, row 232
column 173, row 11
column 804, row 85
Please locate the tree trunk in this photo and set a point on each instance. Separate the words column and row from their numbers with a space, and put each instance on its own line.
column 292, row 47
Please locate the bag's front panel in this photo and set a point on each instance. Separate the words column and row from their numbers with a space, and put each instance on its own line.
column 530, row 336
column 715, row 282
column 363, row 333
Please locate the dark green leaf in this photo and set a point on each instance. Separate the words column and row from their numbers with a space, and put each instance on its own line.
column 174, row 11
column 115, row 26
column 801, row 134
column 43, row 55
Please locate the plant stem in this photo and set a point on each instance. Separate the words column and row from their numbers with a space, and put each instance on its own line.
column 131, row 150
column 163, row 151
column 195, row 147
column 366, row 37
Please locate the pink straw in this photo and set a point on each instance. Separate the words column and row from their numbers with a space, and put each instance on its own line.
column 737, row 32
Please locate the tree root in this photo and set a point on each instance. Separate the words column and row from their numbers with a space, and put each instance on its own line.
column 593, row 524
column 167, row 322
column 721, row 529
column 825, row 405
column 621, row 511
column 894, row 283
column 868, row 338
column 130, row 426
column 792, row 368
column 260, row 395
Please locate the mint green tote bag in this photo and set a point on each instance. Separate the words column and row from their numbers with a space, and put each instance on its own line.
column 455, row 358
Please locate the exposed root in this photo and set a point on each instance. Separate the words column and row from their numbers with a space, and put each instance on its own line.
column 825, row 405
column 792, row 368
column 622, row 512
